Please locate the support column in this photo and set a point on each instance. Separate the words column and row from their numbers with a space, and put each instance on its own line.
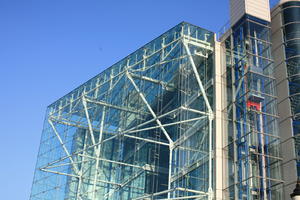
column 98, row 152
column 219, row 136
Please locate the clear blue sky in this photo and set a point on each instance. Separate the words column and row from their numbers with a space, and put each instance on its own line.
column 49, row 47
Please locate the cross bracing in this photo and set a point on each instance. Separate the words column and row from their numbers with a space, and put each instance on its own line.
column 142, row 129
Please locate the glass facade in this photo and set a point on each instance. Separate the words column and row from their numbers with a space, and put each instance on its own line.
column 252, row 150
column 291, row 31
column 143, row 128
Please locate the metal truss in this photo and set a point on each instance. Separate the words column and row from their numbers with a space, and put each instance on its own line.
column 142, row 129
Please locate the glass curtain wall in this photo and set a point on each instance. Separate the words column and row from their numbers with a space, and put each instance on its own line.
column 291, row 31
column 253, row 165
column 141, row 129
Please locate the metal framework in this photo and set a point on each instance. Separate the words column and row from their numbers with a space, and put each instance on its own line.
column 142, row 129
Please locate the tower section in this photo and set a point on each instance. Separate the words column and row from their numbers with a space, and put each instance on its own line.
column 253, row 143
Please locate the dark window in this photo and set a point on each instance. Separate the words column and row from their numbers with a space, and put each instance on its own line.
column 291, row 15
column 290, row 4
column 292, row 31
column 292, row 48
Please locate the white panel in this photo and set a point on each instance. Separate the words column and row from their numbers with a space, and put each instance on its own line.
column 219, row 139
column 259, row 9
column 256, row 8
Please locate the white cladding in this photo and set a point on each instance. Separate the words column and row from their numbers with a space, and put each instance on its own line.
column 256, row 8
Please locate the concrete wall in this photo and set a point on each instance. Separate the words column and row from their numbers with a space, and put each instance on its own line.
column 289, row 170
column 237, row 10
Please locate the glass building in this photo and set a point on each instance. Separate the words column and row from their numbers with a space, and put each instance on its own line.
column 187, row 116
column 141, row 129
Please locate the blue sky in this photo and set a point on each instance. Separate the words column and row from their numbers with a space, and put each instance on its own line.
column 49, row 47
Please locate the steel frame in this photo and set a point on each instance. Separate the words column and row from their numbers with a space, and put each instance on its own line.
column 95, row 138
